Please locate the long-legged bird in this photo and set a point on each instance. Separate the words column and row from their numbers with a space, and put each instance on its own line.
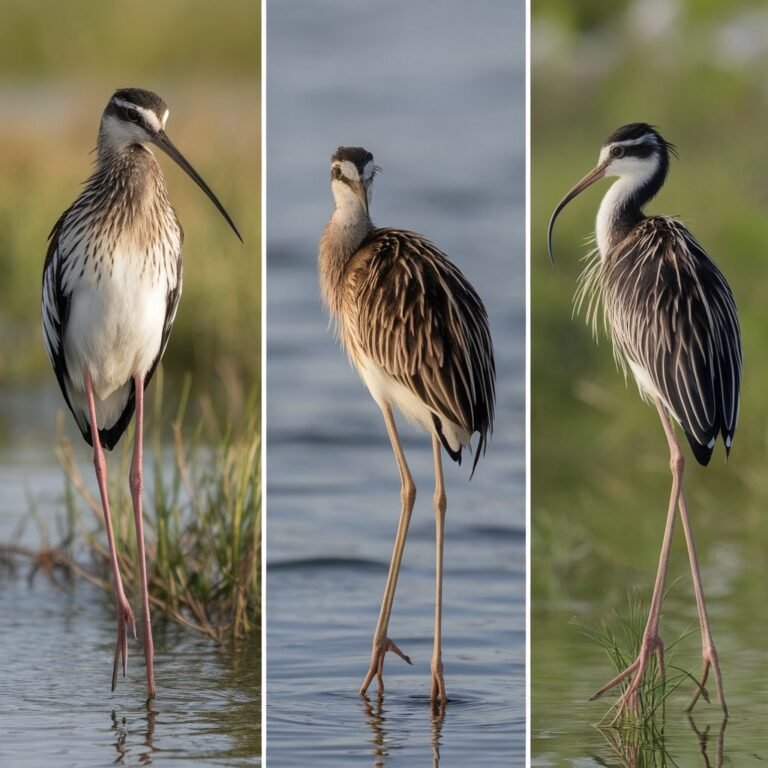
column 673, row 322
column 418, row 334
column 111, row 287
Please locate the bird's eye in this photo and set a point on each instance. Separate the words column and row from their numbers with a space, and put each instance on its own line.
column 617, row 151
column 335, row 172
column 132, row 115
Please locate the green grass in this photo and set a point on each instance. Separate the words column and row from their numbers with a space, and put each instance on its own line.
column 202, row 517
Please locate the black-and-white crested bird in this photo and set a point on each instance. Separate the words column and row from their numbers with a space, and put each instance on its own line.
column 673, row 321
column 111, row 286
column 418, row 334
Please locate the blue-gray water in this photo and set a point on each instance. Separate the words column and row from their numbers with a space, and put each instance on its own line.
column 57, row 642
column 436, row 92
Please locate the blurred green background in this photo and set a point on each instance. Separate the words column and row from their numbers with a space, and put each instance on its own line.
column 698, row 70
column 59, row 65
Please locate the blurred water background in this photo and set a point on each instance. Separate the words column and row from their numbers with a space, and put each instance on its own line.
column 600, row 475
column 436, row 92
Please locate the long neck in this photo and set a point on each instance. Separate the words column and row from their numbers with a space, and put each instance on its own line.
column 127, row 192
column 343, row 234
column 622, row 206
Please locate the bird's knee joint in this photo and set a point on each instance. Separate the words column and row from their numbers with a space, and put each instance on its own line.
column 440, row 503
column 136, row 481
column 677, row 463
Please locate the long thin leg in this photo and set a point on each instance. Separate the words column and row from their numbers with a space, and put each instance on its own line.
column 125, row 619
column 651, row 641
column 381, row 643
column 708, row 651
column 438, row 683
column 137, row 484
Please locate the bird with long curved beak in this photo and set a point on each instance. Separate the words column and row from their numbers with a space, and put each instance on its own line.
column 597, row 173
column 111, row 286
column 673, row 322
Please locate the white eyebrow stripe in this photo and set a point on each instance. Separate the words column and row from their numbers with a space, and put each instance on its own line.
column 349, row 170
column 634, row 142
column 147, row 114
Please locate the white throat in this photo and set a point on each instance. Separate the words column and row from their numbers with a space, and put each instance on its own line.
column 632, row 173
column 349, row 210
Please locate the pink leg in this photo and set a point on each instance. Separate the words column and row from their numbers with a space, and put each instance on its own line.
column 137, row 483
column 125, row 620
column 708, row 651
column 651, row 642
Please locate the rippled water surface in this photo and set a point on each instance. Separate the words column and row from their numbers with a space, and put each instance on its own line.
column 438, row 97
column 57, row 646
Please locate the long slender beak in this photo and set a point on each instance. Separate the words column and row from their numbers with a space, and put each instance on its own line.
column 594, row 175
column 362, row 194
column 161, row 140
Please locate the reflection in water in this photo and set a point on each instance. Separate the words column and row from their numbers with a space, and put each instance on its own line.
column 438, row 717
column 643, row 745
column 703, row 737
column 120, row 726
column 122, row 734
column 374, row 715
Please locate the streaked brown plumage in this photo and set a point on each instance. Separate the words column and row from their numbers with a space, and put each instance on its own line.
column 418, row 334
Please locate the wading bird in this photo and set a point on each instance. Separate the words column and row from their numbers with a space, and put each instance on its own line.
column 418, row 335
column 673, row 322
column 111, row 287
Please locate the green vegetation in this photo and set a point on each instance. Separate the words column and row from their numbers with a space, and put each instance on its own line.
column 202, row 520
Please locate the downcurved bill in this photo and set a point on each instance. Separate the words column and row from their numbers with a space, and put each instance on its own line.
column 162, row 141
column 594, row 175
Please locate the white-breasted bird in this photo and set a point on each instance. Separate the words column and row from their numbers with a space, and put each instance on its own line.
column 111, row 286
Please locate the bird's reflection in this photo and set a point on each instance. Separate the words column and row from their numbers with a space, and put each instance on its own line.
column 375, row 715
column 438, row 717
column 123, row 731
column 643, row 745
column 704, row 738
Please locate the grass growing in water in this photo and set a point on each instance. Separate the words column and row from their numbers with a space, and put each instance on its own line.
column 623, row 648
column 202, row 509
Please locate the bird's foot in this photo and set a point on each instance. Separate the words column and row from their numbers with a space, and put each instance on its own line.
column 125, row 623
column 709, row 654
column 380, row 648
column 438, row 697
column 651, row 644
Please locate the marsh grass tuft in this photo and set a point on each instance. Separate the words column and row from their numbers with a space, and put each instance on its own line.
column 202, row 517
column 622, row 648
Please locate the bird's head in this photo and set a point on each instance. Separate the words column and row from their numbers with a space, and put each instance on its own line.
column 352, row 172
column 635, row 153
column 134, row 117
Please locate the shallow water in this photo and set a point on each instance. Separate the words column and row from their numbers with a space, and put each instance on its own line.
column 568, row 666
column 438, row 99
column 57, row 646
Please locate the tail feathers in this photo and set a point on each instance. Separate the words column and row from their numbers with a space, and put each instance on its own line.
column 109, row 436
column 455, row 455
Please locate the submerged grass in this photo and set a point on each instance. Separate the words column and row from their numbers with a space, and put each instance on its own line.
column 623, row 647
column 202, row 518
